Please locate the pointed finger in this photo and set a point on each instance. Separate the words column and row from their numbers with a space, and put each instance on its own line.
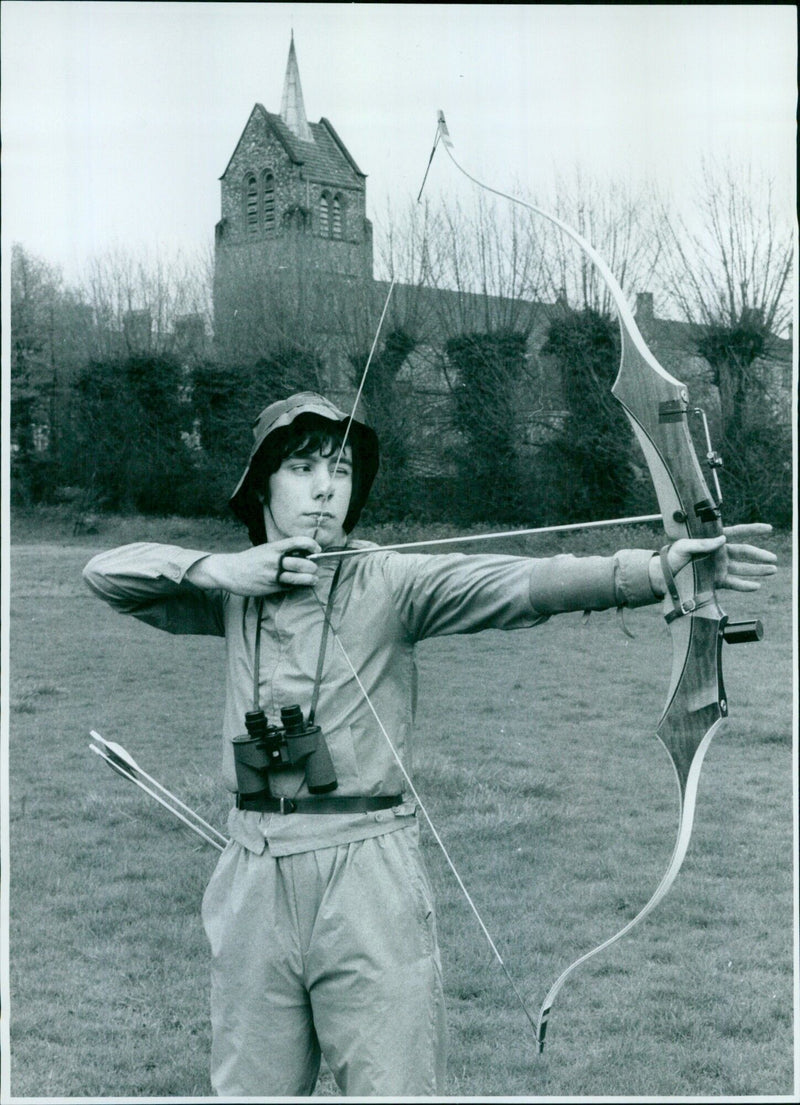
column 744, row 568
column 753, row 553
column 697, row 546
column 748, row 529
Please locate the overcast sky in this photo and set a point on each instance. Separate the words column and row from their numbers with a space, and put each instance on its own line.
column 118, row 119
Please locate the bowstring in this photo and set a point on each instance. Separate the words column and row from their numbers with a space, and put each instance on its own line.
column 367, row 699
column 415, row 794
column 371, row 356
column 413, row 790
column 357, row 399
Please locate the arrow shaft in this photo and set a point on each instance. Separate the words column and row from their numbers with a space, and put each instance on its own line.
column 194, row 821
column 131, row 766
column 638, row 519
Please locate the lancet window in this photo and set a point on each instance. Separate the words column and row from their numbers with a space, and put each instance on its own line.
column 251, row 203
column 268, row 181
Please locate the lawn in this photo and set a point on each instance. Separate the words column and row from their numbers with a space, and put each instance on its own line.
column 536, row 760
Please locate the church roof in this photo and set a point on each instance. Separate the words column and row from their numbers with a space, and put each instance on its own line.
column 325, row 159
column 315, row 146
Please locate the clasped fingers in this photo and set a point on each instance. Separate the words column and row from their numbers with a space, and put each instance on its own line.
column 292, row 566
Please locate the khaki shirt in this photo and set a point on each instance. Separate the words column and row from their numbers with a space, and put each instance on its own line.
column 384, row 604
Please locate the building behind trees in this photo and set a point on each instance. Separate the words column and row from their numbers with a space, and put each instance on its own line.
column 295, row 305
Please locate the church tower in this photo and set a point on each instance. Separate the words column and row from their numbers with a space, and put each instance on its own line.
column 293, row 225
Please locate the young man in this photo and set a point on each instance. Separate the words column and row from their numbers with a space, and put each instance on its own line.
column 319, row 914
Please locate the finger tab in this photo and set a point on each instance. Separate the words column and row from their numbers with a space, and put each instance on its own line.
column 302, row 553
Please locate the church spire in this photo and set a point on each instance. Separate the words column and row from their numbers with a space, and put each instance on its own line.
column 293, row 110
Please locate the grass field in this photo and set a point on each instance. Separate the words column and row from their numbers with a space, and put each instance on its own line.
column 536, row 759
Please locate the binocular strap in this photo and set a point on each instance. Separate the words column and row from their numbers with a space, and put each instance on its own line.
column 323, row 645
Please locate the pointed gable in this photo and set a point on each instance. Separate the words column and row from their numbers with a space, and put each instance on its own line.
column 293, row 201
column 325, row 159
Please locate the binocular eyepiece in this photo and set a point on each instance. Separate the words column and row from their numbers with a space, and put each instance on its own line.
column 264, row 748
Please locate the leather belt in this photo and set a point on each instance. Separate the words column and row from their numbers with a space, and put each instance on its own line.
column 267, row 803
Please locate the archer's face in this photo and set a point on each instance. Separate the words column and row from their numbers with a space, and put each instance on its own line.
column 310, row 496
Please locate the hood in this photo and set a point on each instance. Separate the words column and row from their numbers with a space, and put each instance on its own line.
column 363, row 441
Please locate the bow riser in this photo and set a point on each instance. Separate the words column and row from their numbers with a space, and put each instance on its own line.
column 657, row 407
column 696, row 700
column 658, row 410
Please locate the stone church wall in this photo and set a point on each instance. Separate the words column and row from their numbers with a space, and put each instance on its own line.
column 266, row 275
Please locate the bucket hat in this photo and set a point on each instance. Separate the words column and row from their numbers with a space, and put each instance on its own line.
column 363, row 440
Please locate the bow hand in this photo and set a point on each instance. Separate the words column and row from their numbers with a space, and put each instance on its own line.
column 737, row 567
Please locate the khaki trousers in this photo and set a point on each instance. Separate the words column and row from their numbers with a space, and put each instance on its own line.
column 329, row 952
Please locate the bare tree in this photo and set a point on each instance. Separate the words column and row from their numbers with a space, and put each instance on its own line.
column 486, row 257
column 732, row 254
column 467, row 311
column 138, row 302
column 614, row 218
column 727, row 264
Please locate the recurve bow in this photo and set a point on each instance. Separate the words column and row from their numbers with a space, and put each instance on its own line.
column 658, row 408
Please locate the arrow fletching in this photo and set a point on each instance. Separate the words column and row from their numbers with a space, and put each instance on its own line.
column 119, row 760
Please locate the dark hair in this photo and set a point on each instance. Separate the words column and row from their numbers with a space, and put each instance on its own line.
column 309, row 433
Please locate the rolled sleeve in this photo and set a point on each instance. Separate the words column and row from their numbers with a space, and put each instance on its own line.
column 565, row 583
column 632, row 578
column 443, row 594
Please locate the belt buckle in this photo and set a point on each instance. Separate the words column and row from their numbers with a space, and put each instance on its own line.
column 288, row 805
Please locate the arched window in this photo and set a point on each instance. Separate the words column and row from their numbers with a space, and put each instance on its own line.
column 336, row 217
column 251, row 203
column 324, row 221
column 268, row 182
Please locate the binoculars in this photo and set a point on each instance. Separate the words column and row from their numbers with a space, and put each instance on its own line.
column 264, row 748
